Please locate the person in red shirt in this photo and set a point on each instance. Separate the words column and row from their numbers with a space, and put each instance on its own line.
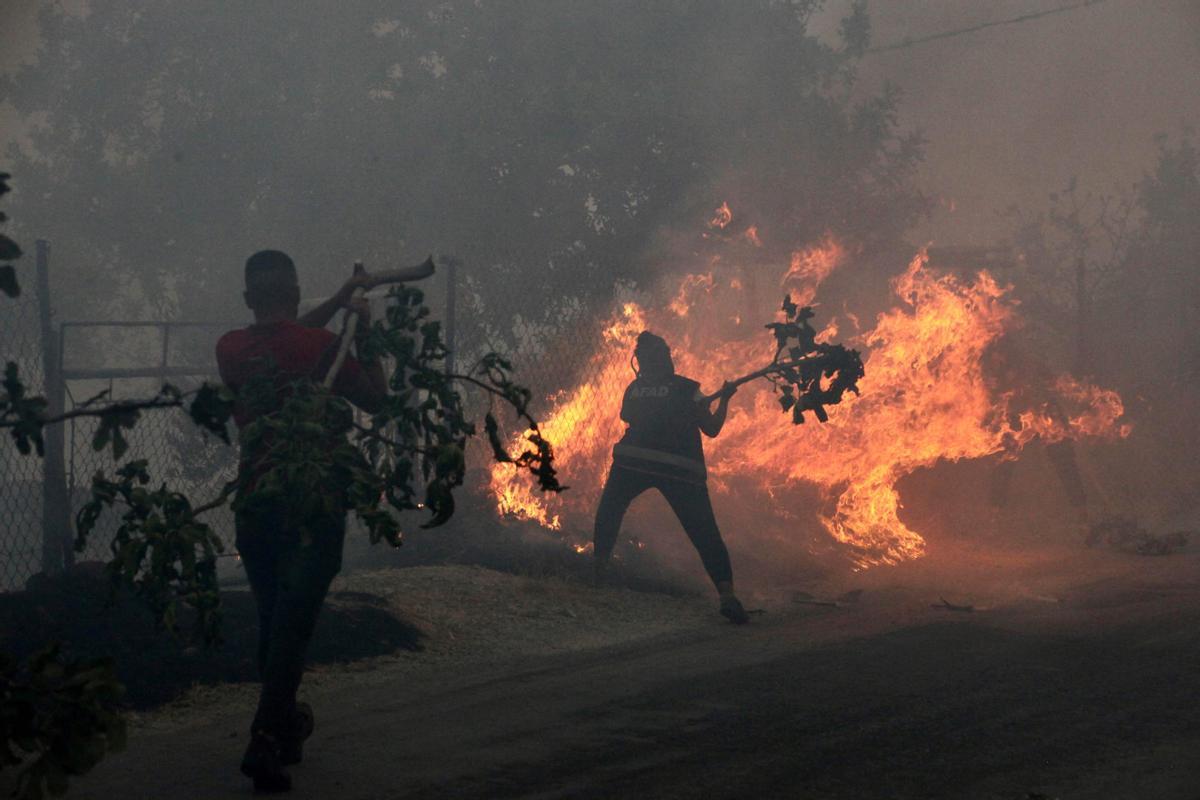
column 289, row 574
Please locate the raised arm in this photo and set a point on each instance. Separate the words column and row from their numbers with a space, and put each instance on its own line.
column 320, row 316
column 711, row 422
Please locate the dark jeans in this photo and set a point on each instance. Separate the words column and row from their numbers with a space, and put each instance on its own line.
column 289, row 578
column 689, row 501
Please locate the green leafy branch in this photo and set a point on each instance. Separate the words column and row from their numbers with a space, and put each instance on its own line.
column 160, row 551
column 24, row 415
column 808, row 374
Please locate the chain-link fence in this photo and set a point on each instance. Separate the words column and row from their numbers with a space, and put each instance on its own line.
column 21, row 322
column 132, row 360
column 573, row 351
column 554, row 343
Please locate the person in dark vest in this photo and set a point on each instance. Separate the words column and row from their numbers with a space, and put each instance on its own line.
column 661, row 449
column 289, row 573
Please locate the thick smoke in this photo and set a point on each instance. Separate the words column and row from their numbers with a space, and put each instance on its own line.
column 561, row 150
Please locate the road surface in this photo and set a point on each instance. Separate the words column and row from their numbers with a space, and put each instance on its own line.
column 1092, row 694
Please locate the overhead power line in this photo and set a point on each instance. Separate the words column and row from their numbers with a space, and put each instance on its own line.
column 975, row 28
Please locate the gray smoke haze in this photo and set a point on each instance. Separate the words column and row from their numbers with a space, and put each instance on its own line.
column 1009, row 113
column 564, row 148
column 1012, row 112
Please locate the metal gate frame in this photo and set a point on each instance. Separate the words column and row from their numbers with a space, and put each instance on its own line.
column 65, row 458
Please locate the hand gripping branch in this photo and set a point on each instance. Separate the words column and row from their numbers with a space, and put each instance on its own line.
column 350, row 327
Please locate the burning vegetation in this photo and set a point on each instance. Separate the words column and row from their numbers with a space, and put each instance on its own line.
column 925, row 398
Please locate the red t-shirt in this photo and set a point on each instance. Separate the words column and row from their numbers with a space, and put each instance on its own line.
column 292, row 352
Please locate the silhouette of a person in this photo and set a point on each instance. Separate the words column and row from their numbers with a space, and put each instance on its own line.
column 662, row 449
column 289, row 573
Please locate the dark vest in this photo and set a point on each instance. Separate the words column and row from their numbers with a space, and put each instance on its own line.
column 664, row 428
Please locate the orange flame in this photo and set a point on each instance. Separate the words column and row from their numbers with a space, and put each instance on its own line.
column 811, row 266
column 1094, row 412
column 583, row 420
column 721, row 217
column 689, row 288
column 924, row 399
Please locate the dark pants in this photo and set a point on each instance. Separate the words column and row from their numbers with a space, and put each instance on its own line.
column 689, row 501
column 289, row 578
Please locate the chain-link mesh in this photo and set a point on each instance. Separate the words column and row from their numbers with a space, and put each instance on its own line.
column 553, row 343
column 572, row 350
column 21, row 476
column 179, row 454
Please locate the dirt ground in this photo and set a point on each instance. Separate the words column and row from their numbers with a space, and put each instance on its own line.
column 458, row 617
column 1075, row 676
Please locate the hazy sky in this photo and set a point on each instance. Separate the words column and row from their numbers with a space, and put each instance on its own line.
column 1010, row 113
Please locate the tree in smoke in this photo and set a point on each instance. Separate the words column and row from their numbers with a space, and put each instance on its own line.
column 1112, row 273
column 1161, row 275
column 1075, row 252
column 551, row 143
column 1108, row 287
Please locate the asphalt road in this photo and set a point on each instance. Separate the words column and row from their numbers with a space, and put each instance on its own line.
column 1092, row 696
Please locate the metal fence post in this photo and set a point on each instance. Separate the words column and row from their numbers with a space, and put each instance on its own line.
column 57, row 552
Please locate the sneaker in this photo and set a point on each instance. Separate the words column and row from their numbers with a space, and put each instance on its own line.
column 262, row 764
column 291, row 747
column 731, row 609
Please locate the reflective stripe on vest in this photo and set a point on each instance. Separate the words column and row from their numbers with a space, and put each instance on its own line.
column 646, row 454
